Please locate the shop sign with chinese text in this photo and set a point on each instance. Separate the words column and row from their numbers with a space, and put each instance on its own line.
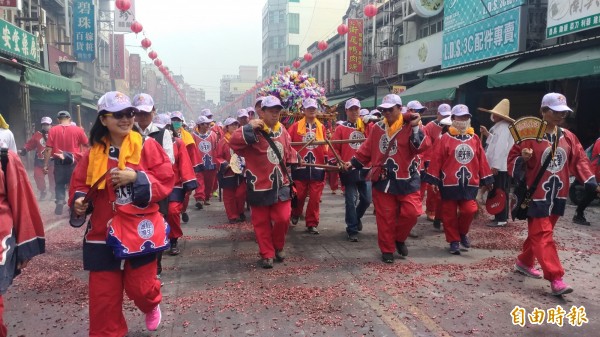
column 10, row 4
column 496, row 36
column 18, row 43
column 84, row 31
column 124, row 19
column 354, row 46
column 570, row 16
column 461, row 13
column 117, row 56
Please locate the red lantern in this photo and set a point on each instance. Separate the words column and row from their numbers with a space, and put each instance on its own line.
column 161, row 69
column 296, row 65
column 308, row 57
column 146, row 43
column 286, row 69
column 370, row 10
column 152, row 55
column 136, row 27
column 123, row 5
column 322, row 45
column 158, row 62
column 342, row 29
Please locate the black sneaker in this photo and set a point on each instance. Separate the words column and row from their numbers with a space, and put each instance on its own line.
column 437, row 224
column 581, row 220
column 312, row 230
column 185, row 217
column 279, row 255
column 174, row 250
column 359, row 226
column 402, row 249
column 242, row 217
column 454, row 248
column 294, row 219
column 232, row 221
column 199, row 205
column 266, row 263
column 353, row 237
column 59, row 209
column 464, row 241
column 387, row 257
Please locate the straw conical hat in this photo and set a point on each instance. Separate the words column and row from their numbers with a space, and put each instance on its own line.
column 501, row 110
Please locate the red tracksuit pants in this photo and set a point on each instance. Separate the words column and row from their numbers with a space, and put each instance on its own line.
column 234, row 200
column 540, row 245
column 206, row 180
column 40, row 178
column 174, row 219
column 457, row 216
column 433, row 204
column 3, row 330
column 313, row 189
column 106, row 297
column 333, row 179
column 270, row 226
column 396, row 215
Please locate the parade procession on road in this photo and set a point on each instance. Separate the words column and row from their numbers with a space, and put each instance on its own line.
column 452, row 193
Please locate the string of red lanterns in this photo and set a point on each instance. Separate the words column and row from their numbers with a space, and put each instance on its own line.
column 136, row 27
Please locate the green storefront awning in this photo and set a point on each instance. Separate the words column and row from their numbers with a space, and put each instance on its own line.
column 10, row 74
column 579, row 63
column 49, row 81
column 335, row 101
column 444, row 87
column 368, row 102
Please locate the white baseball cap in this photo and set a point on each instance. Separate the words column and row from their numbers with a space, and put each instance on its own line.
column 556, row 102
column 112, row 101
column 46, row 120
column 258, row 100
column 270, row 102
column 460, row 110
column 242, row 113
column 203, row 120
column 177, row 114
column 364, row 112
column 310, row 103
column 161, row 120
column 206, row 112
column 445, row 109
column 389, row 101
column 375, row 112
column 352, row 102
column 229, row 121
column 143, row 102
column 415, row 105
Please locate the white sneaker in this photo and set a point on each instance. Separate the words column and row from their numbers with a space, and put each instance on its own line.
column 497, row 224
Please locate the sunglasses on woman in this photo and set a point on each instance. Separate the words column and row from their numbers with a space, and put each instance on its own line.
column 120, row 114
column 386, row 110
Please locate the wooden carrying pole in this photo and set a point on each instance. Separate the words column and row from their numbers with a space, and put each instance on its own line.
column 322, row 142
column 78, row 112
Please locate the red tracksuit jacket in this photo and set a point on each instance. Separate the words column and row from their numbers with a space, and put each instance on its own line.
column 550, row 196
column 21, row 226
column 400, row 170
column 459, row 167
column 266, row 183
column 37, row 142
column 343, row 131
column 154, row 182
column 227, row 179
column 207, row 145
column 313, row 154
column 184, row 176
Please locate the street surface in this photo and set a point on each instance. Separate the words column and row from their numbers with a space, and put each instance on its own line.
column 326, row 287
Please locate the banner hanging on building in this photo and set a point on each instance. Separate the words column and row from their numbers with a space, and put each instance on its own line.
column 135, row 71
column 18, row 43
column 84, row 30
column 124, row 19
column 9, row 4
column 499, row 35
column 117, row 56
column 567, row 17
column 354, row 46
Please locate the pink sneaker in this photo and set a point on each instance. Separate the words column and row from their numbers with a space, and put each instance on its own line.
column 527, row 271
column 153, row 318
column 560, row 288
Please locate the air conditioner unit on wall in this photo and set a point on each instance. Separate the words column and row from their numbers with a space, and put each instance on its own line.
column 385, row 53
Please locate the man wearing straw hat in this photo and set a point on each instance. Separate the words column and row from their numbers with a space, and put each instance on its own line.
column 499, row 142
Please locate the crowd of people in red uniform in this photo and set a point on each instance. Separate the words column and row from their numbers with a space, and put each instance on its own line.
column 141, row 168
